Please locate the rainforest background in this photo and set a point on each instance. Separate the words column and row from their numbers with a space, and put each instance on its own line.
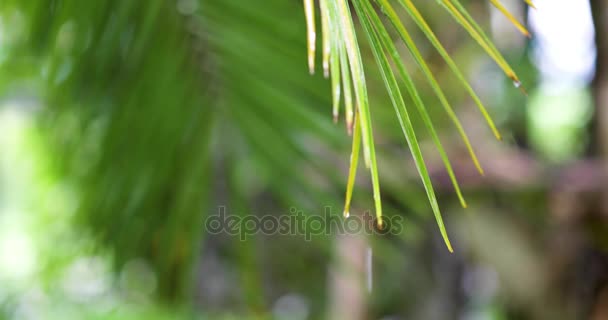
column 125, row 125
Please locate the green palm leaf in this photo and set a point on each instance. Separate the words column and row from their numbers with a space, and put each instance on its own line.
column 342, row 32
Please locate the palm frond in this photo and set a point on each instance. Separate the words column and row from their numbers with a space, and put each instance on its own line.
column 338, row 26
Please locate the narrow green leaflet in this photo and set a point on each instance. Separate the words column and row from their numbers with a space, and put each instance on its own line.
column 415, row 14
column 364, row 10
column 326, row 38
column 309, row 10
column 511, row 18
column 409, row 42
column 461, row 15
column 348, row 96
column 335, row 62
column 352, row 172
column 340, row 11
column 413, row 92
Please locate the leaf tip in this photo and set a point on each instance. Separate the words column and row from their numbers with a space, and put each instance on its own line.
column 463, row 203
column 447, row 241
column 517, row 83
column 531, row 4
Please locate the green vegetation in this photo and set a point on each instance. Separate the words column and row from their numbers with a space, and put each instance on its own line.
column 125, row 125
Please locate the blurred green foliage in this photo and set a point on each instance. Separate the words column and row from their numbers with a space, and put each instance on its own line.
column 126, row 123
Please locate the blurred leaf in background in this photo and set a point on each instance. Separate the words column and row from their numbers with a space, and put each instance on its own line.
column 125, row 124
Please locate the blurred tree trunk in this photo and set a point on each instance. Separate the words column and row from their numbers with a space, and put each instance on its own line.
column 599, row 10
column 347, row 279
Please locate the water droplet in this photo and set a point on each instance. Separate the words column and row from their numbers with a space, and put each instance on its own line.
column 521, row 88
